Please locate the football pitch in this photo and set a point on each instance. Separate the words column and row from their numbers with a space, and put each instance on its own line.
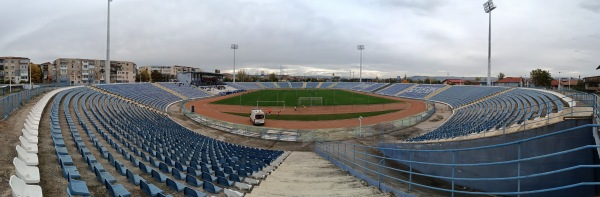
column 314, row 97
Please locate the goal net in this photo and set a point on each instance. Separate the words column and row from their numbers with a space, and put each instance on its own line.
column 310, row 101
column 277, row 104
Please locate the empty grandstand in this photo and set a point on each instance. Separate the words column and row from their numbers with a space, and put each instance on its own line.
column 420, row 91
column 497, row 141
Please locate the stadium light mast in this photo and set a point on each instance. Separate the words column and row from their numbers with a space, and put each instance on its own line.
column 107, row 63
column 488, row 7
column 360, row 126
column 234, row 47
column 30, row 84
column 360, row 48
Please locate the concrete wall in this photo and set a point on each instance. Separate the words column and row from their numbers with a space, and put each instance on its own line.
column 565, row 141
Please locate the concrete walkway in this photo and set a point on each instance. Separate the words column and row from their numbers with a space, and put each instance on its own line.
column 307, row 174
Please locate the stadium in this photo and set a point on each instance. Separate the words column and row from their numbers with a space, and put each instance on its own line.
column 168, row 139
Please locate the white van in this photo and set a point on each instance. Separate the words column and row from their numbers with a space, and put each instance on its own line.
column 257, row 117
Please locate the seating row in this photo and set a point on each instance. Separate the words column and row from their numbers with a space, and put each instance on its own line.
column 144, row 93
column 186, row 90
column 164, row 157
column 513, row 107
column 26, row 170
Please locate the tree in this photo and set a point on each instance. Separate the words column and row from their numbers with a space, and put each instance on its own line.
column 478, row 79
column 541, row 78
column 156, row 76
column 580, row 86
column 144, row 76
column 272, row 77
column 241, row 76
column 36, row 73
column 501, row 76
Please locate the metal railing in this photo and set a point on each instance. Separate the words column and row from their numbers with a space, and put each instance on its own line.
column 409, row 168
column 305, row 135
column 12, row 102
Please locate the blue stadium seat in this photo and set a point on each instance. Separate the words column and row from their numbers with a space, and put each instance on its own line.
column 192, row 192
column 224, row 182
column 149, row 189
column 207, row 177
column 116, row 190
column 174, row 185
column 209, row 187
column 133, row 178
column 77, row 187
column 158, row 176
column 192, row 181
column 178, row 175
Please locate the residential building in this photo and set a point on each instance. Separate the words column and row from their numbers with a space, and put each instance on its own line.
column 86, row 71
column 454, row 82
column 169, row 72
column 512, row 82
column 15, row 68
column 47, row 71
column 565, row 83
column 592, row 84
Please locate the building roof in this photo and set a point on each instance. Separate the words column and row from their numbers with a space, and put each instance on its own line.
column 510, row 80
column 11, row 57
column 453, row 80
column 565, row 82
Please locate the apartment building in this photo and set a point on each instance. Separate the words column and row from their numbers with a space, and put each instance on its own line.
column 46, row 72
column 86, row 71
column 169, row 72
column 15, row 68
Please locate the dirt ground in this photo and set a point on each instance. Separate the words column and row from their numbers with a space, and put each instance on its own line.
column 10, row 130
column 407, row 108
column 174, row 112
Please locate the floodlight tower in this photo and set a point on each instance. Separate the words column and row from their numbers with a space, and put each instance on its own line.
column 360, row 48
column 107, row 63
column 488, row 7
column 234, row 47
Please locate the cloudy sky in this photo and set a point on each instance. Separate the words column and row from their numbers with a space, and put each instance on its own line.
column 310, row 37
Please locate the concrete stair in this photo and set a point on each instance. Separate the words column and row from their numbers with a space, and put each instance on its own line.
column 383, row 87
column 319, row 85
column 485, row 98
column 333, row 84
column 276, row 85
column 170, row 91
column 125, row 99
column 437, row 92
column 261, row 85
column 303, row 84
column 405, row 89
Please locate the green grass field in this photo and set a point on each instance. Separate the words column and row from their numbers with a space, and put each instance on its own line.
column 319, row 117
column 329, row 98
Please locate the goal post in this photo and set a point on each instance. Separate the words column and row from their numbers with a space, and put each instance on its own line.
column 270, row 104
column 310, row 101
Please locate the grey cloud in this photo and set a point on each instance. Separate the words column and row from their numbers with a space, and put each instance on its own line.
column 312, row 37
column 591, row 5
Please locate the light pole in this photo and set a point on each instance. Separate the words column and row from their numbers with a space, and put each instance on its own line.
column 234, row 47
column 10, row 83
column 30, row 85
column 360, row 126
column 360, row 48
column 107, row 63
column 559, row 80
column 488, row 7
